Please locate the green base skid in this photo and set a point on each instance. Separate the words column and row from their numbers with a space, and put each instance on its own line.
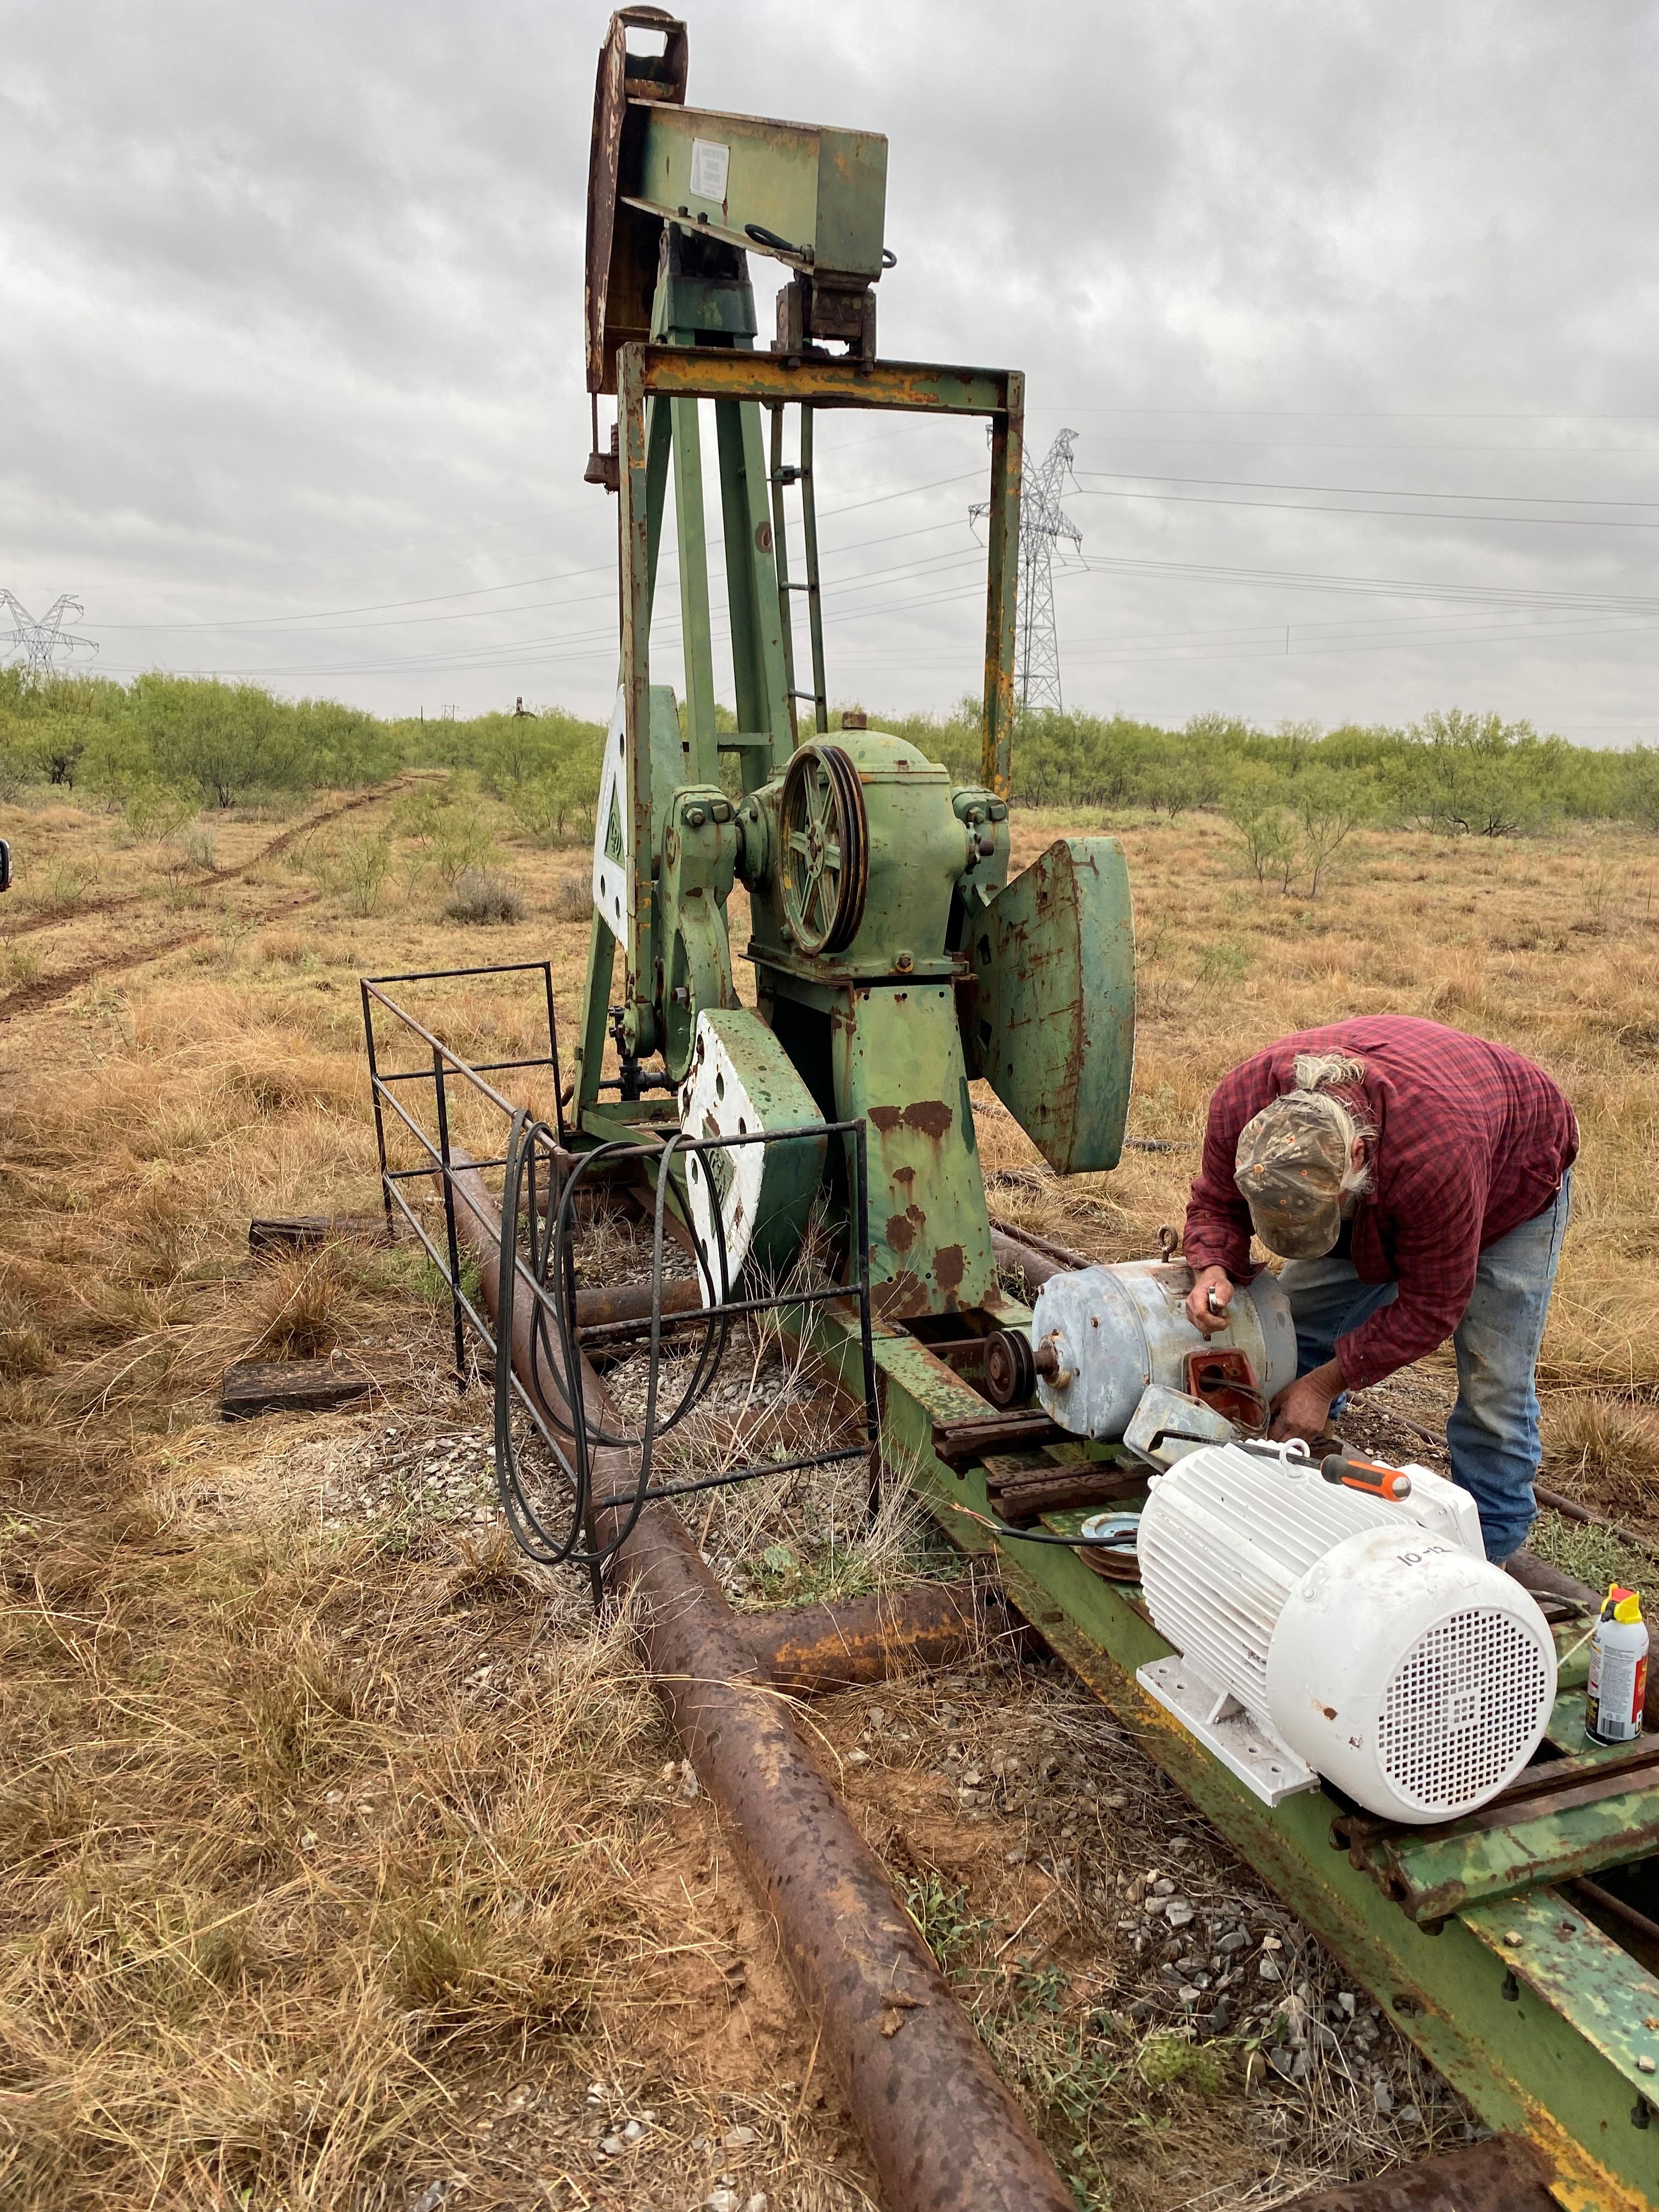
column 1539, row 2019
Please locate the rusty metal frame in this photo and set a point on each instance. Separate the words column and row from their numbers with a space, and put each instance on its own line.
column 555, row 1304
column 645, row 372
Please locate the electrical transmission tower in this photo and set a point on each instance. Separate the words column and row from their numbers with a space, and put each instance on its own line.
column 41, row 647
column 1043, row 521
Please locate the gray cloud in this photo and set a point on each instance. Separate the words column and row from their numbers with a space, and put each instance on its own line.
column 290, row 307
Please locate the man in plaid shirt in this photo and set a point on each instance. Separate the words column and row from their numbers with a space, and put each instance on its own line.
column 1417, row 1183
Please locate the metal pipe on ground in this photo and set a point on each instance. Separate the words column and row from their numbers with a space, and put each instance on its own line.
column 942, row 2132
column 1501, row 2175
column 813, row 1650
column 631, row 1301
column 1034, row 1256
column 1574, row 1511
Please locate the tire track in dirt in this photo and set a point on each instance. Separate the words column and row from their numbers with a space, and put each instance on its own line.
column 30, row 997
column 219, row 875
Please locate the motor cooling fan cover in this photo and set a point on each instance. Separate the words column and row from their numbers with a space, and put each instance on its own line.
column 1415, row 1676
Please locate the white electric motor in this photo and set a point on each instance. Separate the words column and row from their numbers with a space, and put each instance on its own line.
column 1324, row 1632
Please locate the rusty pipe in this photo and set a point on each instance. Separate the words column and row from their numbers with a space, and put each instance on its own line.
column 1034, row 1256
column 942, row 2130
column 810, row 1650
column 631, row 1301
column 1574, row 1511
column 1500, row 2175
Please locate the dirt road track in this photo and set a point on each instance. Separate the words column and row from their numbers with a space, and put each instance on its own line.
column 30, row 997
column 269, row 852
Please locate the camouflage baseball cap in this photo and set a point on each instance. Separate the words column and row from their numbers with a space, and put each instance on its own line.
column 1289, row 1167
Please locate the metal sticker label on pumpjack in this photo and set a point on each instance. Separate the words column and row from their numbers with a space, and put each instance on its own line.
column 711, row 164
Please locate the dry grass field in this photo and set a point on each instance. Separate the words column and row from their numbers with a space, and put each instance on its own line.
column 342, row 1863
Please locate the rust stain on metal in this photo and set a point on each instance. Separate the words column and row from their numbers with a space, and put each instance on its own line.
column 929, row 1116
column 949, row 1265
column 901, row 1299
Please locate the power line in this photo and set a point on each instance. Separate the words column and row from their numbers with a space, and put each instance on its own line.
column 1390, row 513
column 1366, row 491
column 1650, row 451
column 1362, row 414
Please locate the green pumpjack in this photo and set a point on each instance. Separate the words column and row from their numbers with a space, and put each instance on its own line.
column 895, row 963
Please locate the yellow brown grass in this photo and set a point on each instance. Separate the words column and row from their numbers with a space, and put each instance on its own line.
column 1604, row 1452
column 282, row 1869
column 315, row 1837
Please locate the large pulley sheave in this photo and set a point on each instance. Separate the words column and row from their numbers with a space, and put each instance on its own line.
column 826, row 848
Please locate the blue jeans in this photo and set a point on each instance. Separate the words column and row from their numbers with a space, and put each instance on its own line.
column 1492, row 1433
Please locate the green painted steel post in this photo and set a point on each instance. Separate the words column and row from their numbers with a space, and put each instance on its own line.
column 780, row 557
column 748, row 692
column 634, row 491
column 696, row 631
column 596, row 1015
column 809, row 513
column 1007, row 438
column 752, row 585
column 658, row 437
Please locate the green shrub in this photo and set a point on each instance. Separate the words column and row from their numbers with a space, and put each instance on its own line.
column 478, row 897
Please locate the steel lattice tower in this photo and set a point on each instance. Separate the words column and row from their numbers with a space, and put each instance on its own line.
column 1042, row 520
column 41, row 646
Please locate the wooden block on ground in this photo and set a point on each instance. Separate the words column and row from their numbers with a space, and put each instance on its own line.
column 292, row 1232
column 288, row 1386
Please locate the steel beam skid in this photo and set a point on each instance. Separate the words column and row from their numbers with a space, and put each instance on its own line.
column 1519, row 1990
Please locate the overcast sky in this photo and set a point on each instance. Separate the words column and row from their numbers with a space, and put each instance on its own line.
column 1352, row 308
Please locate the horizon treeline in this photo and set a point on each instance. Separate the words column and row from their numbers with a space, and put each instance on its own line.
column 166, row 743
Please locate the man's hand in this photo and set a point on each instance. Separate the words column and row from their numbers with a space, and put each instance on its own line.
column 1208, row 1283
column 1304, row 1408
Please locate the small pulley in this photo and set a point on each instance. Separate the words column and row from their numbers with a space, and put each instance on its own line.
column 1010, row 1368
column 826, row 847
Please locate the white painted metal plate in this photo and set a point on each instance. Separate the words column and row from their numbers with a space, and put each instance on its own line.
column 711, row 164
column 613, row 829
column 741, row 1082
column 714, row 1102
column 1243, row 1745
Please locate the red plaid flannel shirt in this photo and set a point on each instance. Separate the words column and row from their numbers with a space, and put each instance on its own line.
column 1471, row 1141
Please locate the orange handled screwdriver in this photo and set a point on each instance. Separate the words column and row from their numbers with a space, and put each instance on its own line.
column 1392, row 1483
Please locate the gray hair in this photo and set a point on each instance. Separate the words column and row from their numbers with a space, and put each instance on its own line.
column 1324, row 1073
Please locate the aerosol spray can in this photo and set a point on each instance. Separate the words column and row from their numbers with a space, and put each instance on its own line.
column 1618, row 1670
